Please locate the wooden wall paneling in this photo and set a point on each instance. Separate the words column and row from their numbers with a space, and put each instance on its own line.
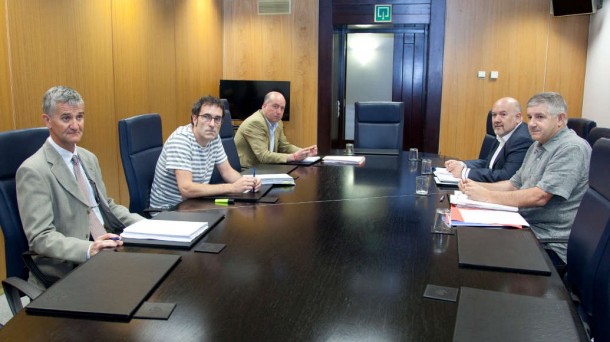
column 67, row 42
column 243, row 48
column 509, row 37
column 144, row 52
column 567, row 60
column 198, row 54
column 325, row 75
column 304, row 77
column 6, row 111
column 276, row 47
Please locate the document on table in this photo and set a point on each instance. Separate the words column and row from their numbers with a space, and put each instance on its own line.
column 311, row 159
column 460, row 199
column 347, row 160
column 180, row 231
column 485, row 217
column 442, row 176
column 276, row 178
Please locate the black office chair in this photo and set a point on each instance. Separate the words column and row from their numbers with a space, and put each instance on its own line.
column 141, row 142
column 14, row 288
column 15, row 147
column 490, row 126
column 581, row 126
column 596, row 133
column 379, row 125
column 601, row 294
column 590, row 234
column 226, row 135
column 488, row 143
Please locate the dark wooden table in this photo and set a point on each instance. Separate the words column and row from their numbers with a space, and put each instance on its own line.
column 344, row 255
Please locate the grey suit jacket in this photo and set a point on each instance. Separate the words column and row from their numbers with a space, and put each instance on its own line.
column 252, row 141
column 54, row 211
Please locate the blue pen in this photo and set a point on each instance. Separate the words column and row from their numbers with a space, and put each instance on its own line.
column 115, row 238
column 253, row 175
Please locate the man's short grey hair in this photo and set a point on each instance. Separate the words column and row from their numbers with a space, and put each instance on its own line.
column 60, row 94
column 555, row 103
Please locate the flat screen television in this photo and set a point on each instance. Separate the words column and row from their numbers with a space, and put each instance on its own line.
column 246, row 97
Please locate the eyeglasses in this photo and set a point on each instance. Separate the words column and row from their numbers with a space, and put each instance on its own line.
column 208, row 117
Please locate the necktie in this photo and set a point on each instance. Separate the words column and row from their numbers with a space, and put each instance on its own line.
column 97, row 228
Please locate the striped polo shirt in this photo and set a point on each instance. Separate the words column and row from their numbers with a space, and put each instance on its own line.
column 182, row 152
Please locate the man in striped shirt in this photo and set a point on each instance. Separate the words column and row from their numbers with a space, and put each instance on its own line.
column 186, row 163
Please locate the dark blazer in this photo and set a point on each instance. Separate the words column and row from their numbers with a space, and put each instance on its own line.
column 509, row 159
column 54, row 211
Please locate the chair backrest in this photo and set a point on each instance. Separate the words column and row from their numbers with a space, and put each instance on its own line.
column 379, row 125
column 226, row 135
column 596, row 133
column 488, row 142
column 591, row 229
column 601, row 292
column 141, row 142
column 581, row 126
column 15, row 147
column 489, row 128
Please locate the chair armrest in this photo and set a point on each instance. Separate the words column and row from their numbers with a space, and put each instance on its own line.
column 28, row 259
column 14, row 287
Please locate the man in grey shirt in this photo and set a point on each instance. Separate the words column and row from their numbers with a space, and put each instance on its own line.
column 553, row 178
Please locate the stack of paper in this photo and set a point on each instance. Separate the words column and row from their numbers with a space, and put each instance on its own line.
column 346, row 160
column 181, row 231
column 276, row 178
column 444, row 177
column 466, row 212
column 460, row 199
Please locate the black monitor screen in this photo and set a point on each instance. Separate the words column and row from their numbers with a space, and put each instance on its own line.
column 246, row 97
column 572, row 7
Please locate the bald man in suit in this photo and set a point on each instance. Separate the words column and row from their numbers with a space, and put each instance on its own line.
column 260, row 138
column 54, row 209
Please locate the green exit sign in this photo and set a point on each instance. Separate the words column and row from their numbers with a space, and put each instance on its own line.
column 383, row 13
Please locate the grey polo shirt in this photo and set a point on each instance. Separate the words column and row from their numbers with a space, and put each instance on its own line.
column 559, row 167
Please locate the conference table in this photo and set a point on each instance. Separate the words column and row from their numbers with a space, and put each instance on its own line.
column 344, row 255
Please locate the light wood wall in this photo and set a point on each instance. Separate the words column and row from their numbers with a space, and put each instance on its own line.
column 532, row 51
column 277, row 48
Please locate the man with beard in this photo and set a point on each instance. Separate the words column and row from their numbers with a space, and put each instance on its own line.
column 507, row 153
column 186, row 163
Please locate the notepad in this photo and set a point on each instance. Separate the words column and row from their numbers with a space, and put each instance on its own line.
column 306, row 161
column 276, row 179
column 442, row 176
column 345, row 160
column 180, row 231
